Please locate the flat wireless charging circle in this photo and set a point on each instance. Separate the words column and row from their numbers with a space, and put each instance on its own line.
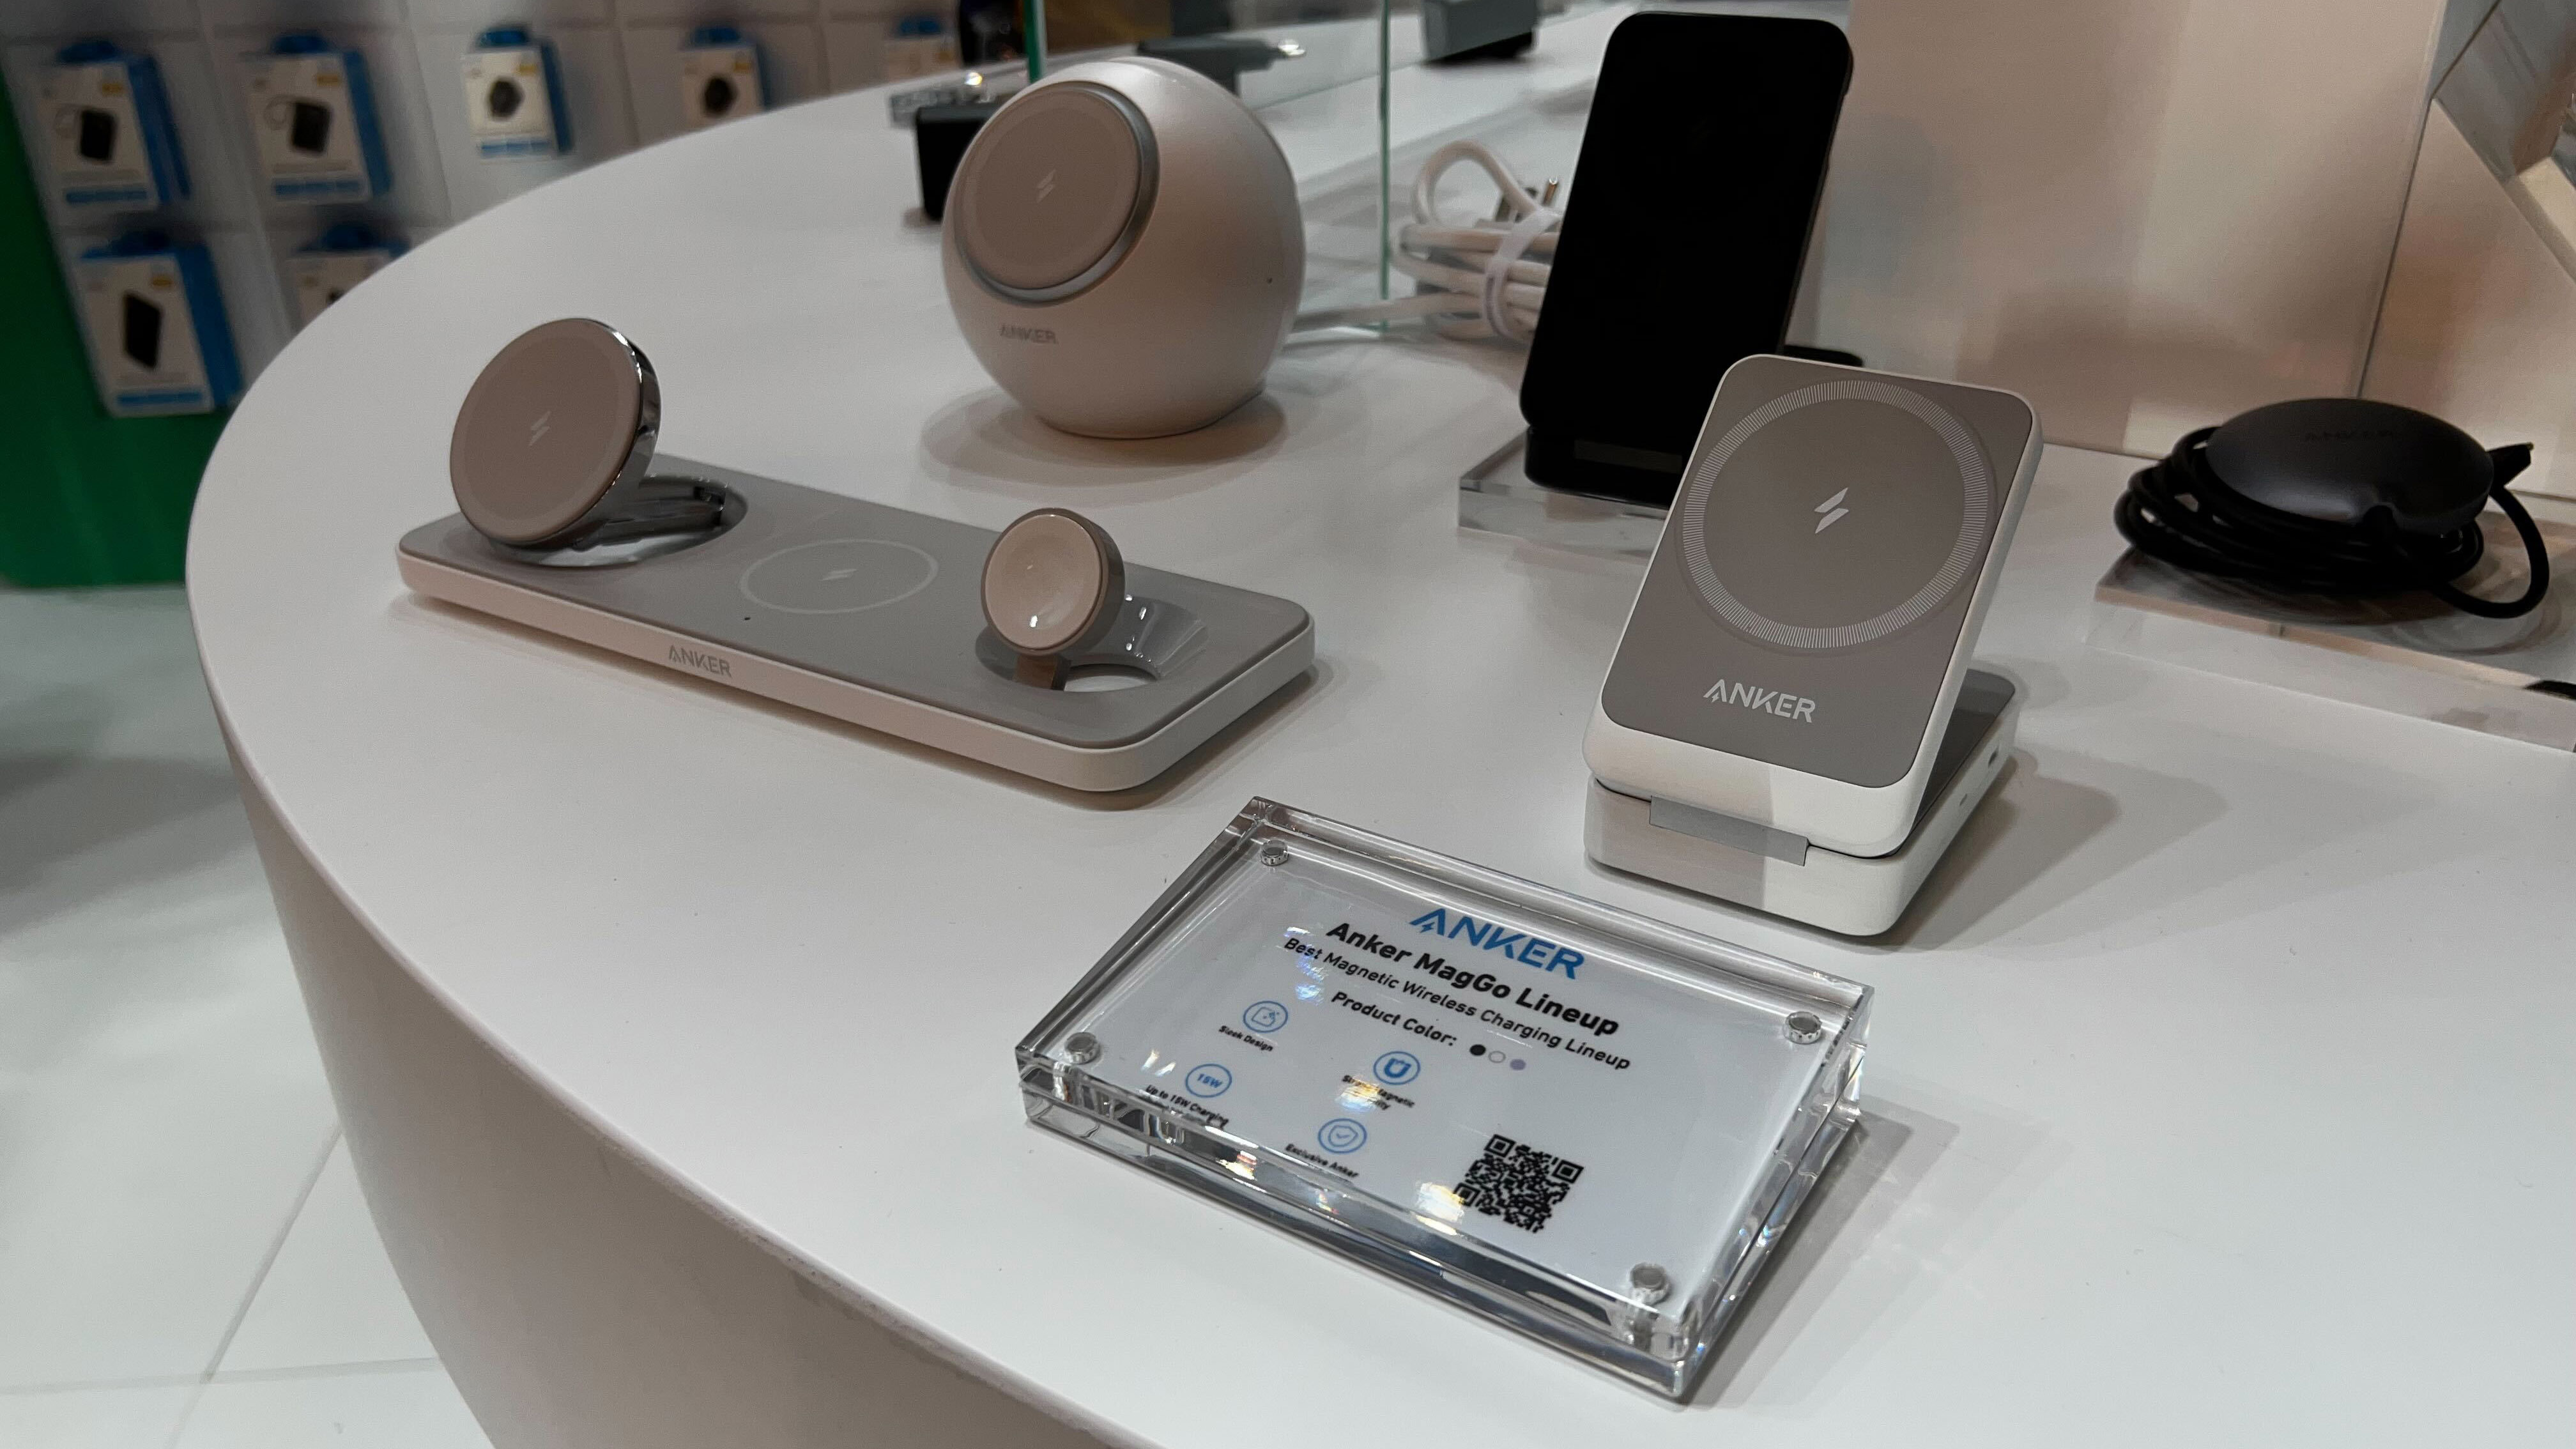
column 556, row 420
column 1054, row 191
column 839, row 576
column 1836, row 515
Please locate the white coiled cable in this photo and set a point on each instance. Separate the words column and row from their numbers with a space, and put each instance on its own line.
column 1480, row 278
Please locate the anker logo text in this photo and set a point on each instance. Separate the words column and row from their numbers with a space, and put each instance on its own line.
column 701, row 661
column 1769, row 701
column 1028, row 334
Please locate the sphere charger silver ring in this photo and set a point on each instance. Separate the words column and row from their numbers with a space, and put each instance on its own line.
column 553, row 446
column 1148, row 180
column 1052, row 587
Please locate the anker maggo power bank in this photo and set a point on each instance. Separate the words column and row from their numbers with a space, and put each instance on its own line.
column 1799, row 640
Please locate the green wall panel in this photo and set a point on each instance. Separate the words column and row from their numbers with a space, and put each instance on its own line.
column 84, row 498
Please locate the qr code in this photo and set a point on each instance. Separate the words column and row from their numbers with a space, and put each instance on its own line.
column 1518, row 1183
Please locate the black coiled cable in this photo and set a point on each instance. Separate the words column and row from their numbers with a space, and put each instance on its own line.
column 2182, row 512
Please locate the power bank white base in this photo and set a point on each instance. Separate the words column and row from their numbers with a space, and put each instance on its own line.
column 1770, row 870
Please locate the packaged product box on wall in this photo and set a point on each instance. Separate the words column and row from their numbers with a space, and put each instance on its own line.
column 90, row 499
column 921, row 45
column 106, row 128
column 514, row 102
column 313, row 122
column 326, row 269
column 720, row 77
column 158, row 339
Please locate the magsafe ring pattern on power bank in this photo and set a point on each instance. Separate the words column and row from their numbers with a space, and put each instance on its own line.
column 1754, row 533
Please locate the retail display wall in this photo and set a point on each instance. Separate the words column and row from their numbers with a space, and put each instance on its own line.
column 619, row 63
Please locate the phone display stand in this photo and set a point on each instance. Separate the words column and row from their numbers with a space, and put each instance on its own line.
column 1498, row 496
column 874, row 615
column 1773, row 870
column 2409, row 654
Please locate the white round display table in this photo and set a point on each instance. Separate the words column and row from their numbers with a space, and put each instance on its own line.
column 2218, row 1088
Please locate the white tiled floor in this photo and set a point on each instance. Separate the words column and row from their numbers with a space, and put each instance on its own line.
column 185, row 1260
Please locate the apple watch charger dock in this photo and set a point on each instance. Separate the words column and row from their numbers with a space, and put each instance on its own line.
column 1773, row 870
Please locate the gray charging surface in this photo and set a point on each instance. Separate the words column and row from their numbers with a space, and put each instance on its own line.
column 1807, row 602
column 888, row 602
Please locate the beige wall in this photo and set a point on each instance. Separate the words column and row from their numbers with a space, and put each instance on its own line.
column 2480, row 320
column 2145, row 215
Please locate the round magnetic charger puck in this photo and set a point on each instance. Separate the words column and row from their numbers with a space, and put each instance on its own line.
column 559, row 417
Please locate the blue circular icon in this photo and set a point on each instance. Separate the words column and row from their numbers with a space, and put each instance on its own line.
column 1342, row 1135
column 1264, row 1016
column 1208, row 1079
column 1397, row 1068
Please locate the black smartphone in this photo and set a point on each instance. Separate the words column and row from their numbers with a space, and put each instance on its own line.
column 1693, row 197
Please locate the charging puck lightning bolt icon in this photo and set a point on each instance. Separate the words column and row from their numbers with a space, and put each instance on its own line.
column 1837, row 510
column 1046, row 184
column 537, row 429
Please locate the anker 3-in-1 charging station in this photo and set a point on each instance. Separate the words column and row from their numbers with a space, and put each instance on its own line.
column 1037, row 649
